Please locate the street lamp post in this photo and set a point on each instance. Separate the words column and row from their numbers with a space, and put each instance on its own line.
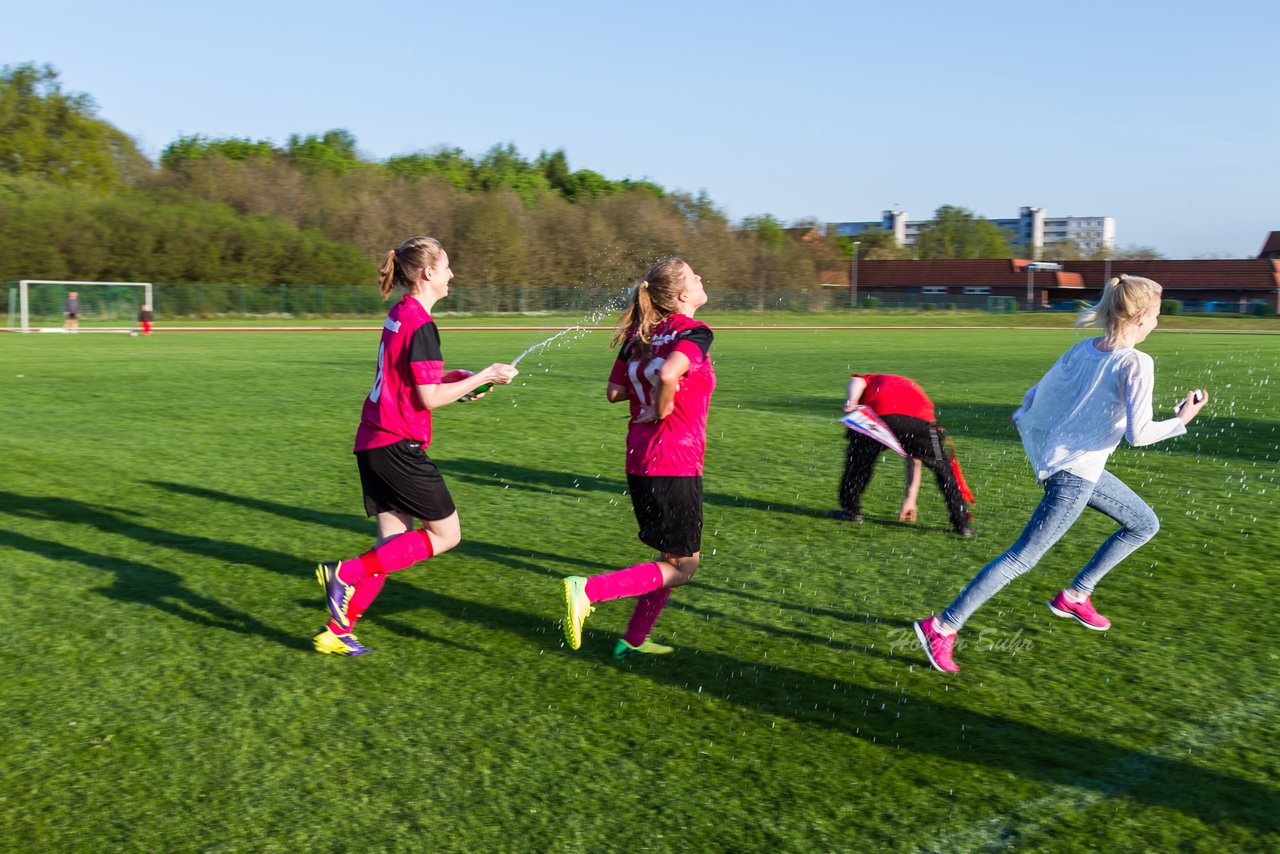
column 853, row 276
column 1031, row 279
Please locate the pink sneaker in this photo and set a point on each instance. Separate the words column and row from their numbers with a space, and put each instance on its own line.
column 1081, row 612
column 937, row 646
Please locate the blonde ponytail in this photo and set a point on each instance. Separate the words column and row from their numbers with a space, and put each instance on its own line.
column 1124, row 299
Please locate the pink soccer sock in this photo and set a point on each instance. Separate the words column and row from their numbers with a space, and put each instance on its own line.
column 366, row 592
column 632, row 581
column 645, row 615
column 395, row 554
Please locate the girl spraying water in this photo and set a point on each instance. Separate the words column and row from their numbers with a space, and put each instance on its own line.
column 401, row 483
column 663, row 371
column 1098, row 391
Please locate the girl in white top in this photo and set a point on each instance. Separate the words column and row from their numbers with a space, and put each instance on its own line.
column 1071, row 421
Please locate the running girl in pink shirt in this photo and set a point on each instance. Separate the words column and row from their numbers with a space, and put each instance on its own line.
column 664, row 372
column 400, row 482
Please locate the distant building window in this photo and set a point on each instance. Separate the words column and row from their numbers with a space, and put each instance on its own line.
column 933, row 289
column 976, row 291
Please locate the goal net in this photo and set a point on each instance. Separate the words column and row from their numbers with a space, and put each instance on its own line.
column 38, row 305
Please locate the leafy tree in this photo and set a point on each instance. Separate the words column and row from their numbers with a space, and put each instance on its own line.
column 333, row 151
column 449, row 164
column 491, row 247
column 874, row 244
column 1137, row 252
column 768, row 230
column 1062, row 250
column 186, row 149
column 143, row 236
column 502, row 166
column 956, row 233
column 52, row 134
column 555, row 167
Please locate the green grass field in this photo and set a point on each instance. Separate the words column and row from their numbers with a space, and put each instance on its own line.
column 164, row 500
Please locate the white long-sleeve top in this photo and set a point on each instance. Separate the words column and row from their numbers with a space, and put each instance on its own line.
column 1073, row 419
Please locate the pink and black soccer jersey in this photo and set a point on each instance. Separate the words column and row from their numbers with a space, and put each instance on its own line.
column 674, row 446
column 888, row 394
column 408, row 356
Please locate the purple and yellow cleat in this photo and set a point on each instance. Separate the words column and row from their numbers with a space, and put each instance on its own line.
column 331, row 644
column 337, row 592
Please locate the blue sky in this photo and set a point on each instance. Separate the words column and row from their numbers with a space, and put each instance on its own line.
column 1164, row 119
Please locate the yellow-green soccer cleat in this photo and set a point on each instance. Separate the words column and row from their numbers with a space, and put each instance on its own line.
column 625, row 650
column 576, row 608
column 331, row 644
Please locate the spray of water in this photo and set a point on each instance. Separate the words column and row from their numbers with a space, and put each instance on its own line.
column 540, row 344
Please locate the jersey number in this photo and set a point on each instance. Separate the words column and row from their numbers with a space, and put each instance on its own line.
column 377, row 380
column 643, row 383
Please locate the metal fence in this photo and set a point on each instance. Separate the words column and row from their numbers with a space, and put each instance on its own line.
column 302, row 301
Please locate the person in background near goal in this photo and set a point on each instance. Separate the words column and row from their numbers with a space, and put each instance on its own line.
column 664, row 372
column 400, row 482
column 145, row 317
column 908, row 412
column 1071, row 421
column 71, row 312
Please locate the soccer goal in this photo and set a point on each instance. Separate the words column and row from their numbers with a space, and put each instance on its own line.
column 38, row 305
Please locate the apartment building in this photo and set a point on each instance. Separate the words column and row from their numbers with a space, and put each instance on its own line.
column 1031, row 228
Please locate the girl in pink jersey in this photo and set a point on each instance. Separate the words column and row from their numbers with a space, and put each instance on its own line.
column 663, row 371
column 400, row 482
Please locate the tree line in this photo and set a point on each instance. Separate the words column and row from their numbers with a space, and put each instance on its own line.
column 78, row 200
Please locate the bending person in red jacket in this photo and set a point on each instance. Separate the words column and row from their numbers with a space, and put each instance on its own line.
column 908, row 412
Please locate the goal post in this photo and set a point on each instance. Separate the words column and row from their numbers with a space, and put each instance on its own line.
column 42, row 301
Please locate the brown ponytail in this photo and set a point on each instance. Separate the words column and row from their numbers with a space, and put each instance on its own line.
column 400, row 269
column 652, row 301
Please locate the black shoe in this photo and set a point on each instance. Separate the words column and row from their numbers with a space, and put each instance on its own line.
column 845, row 516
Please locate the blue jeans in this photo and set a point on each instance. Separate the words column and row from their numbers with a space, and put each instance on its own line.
column 1065, row 497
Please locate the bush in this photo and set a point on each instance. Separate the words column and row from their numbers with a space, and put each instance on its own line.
column 952, row 307
column 930, row 306
column 872, row 302
column 1171, row 306
column 1262, row 309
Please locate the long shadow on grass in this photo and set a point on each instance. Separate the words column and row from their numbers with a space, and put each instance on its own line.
column 506, row 557
column 521, row 558
column 885, row 718
column 538, row 563
column 829, row 642
column 804, row 609
column 142, row 584
column 525, row 478
column 70, row 511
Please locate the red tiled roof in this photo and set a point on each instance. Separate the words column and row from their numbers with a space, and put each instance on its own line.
column 1206, row 275
column 996, row 272
column 1248, row 279
column 1271, row 249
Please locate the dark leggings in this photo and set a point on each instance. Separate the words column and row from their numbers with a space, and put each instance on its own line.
column 919, row 439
